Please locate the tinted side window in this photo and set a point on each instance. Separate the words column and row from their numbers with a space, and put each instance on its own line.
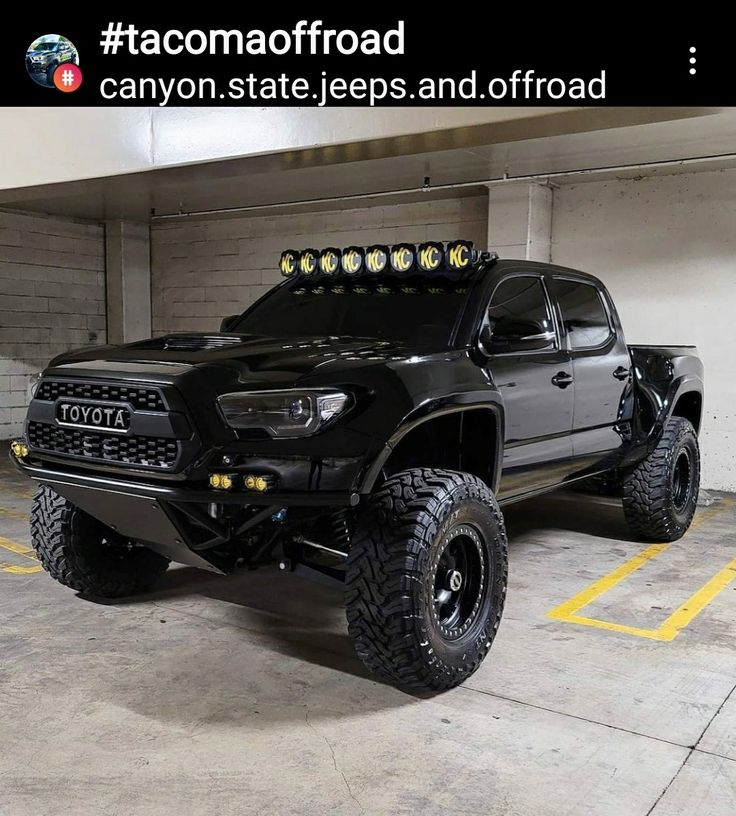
column 519, row 311
column 583, row 314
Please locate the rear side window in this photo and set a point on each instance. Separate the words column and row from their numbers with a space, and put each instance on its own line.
column 583, row 313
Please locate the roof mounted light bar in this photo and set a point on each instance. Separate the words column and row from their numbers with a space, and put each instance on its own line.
column 430, row 257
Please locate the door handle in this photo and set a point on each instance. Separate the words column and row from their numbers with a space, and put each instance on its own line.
column 621, row 373
column 562, row 379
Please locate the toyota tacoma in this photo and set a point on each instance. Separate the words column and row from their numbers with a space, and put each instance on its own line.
column 363, row 423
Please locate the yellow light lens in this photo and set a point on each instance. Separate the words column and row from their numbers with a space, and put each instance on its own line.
column 430, row 256
column 261, row 484
column 376, row 259
column 289, row 262
column 460, row 255
column 250, row 482
column 402, row 257
column 352, row 260
column 20, row 451
column 329, row 261
column 221, row 481
column 308, row 262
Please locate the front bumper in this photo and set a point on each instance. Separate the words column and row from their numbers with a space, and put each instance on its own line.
column 122, row 486
column 161, row 516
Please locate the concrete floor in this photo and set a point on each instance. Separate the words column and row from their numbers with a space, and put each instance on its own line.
column 241, row 695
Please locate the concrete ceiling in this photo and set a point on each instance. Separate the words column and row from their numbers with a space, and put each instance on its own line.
column 565, row 142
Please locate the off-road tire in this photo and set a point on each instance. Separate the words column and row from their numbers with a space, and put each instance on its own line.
column 394, row 558
column 656, row 505
column 81, row 553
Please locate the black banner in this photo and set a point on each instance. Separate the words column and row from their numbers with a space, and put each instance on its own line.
column 372, row 59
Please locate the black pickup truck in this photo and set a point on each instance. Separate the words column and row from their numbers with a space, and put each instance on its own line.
column 363, row 423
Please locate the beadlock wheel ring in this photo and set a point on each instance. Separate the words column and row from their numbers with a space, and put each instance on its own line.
column 458, row 581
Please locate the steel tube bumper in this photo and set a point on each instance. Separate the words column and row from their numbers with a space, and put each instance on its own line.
column 108, row 484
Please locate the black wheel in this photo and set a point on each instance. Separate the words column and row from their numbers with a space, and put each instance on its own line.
column 426, row 578
column 661, row 492
column 81, row 553
column 50, row 73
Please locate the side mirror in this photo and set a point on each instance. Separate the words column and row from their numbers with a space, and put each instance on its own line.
column 510, row 334
column 229, row 322
column 485, row 341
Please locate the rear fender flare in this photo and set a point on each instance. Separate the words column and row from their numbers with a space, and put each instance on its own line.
column 667, row 399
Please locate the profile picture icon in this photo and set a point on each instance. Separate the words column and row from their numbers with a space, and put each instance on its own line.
column 48, row 53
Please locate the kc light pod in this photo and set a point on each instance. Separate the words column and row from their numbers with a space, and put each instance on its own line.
column 460, row 255
column 20, row 450
column 376, row 259
column 308, row 262
column 329, row 261
column 352, row 260
column 402, row 258
column 258, row 482
column 430, row 256
column 222, row 481
column 289, row 263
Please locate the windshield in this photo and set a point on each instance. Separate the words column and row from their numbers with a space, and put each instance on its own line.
column 420, row 310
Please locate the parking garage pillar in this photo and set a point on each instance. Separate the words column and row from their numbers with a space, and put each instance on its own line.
column 520, row 221
column 128, row 271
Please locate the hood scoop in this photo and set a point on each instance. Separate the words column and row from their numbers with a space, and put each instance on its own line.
column 192, row 342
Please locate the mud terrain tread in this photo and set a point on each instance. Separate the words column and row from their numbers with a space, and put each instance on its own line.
column 388, row 552
column 57, row 530
column 647, row 497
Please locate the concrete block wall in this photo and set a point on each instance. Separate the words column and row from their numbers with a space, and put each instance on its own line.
column 666, row 249
column 52, row 298
column 207, row 269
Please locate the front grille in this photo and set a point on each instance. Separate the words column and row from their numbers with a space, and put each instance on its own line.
column 133, row 450
column 145, row 399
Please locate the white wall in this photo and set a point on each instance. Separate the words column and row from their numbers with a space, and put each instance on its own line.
column 666, row 248
column 52, row 298
column 205, row 270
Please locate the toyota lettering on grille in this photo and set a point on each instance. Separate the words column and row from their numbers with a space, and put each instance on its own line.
column 98, row 417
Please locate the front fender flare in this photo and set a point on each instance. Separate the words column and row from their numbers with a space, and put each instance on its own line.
column 431, row 409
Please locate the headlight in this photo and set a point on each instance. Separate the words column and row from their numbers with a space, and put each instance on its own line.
column 283, row 413
column 33, row 382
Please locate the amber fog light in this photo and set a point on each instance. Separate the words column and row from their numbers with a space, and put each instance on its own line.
column 20, row 449
column 221, row 481
column 259, row 482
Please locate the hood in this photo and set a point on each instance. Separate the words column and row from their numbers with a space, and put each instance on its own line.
column 250, row 358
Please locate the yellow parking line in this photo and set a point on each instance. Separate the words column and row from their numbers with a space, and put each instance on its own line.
column 14, row 514
column 16, row 570
column 18, row 549
column 678, row 620
column 695, row 604
column 596, row 589
column 22, row 494
column 709, row 512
